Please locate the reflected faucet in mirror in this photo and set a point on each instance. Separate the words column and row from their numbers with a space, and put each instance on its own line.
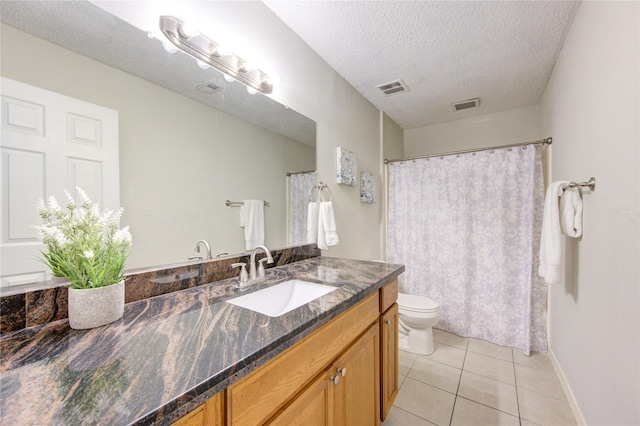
column 197, row 250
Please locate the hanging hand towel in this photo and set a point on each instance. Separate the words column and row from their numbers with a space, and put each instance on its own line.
column 312, row 222
column 252, row 220
column 571, row 213
column 327, row 233
column 550, row 242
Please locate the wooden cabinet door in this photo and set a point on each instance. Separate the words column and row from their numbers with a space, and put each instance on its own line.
column 389, row 359
column 313, row 407
column 356, row 397
column 211, row 413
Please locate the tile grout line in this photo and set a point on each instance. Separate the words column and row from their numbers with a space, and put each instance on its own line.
column 515, row 379
column 453, row 409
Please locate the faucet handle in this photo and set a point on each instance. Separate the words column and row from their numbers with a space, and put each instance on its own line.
column 244, row 277
column 261, row 272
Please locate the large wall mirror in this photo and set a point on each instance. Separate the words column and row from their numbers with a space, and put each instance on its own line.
column 188, row 139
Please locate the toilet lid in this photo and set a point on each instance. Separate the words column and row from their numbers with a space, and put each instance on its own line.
column 417, row 303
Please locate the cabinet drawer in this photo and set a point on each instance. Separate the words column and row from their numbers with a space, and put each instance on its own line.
column 253, row 399
column 388, row 295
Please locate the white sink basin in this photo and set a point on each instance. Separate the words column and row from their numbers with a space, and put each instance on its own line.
column 282, row 298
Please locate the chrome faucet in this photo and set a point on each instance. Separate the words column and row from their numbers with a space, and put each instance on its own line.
column 197, row 250
column 257, row 273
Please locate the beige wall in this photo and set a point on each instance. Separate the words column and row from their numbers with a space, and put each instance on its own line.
column 179, row 159
column 392, row 139
column 392, row 148
column 500, row 128
column 344, row 119
column 590, row 107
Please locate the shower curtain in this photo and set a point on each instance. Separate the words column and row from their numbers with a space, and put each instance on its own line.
column 299, row 196
column 467, row 228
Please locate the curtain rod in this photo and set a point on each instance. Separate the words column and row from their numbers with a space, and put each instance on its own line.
column 466, row 151
column 300, row 173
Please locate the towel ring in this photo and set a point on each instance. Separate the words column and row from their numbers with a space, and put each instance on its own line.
column 319, row 186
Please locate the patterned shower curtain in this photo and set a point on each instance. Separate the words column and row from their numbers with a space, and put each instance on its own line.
column 467, row 228
column 299, row 197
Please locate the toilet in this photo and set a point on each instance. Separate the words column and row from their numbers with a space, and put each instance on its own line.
column 417, row 316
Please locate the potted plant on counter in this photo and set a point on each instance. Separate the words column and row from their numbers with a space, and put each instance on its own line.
column 86, row 246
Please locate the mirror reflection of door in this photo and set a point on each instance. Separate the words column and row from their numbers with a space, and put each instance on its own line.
column 50, row 143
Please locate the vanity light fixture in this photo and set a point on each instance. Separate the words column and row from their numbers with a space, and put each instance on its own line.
column 191, row 41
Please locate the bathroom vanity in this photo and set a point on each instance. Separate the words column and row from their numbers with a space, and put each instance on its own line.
column 189, row 357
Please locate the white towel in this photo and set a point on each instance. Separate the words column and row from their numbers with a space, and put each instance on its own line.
column 327, row 233
column 252, row 220
column 571, row 213
column 312, row 222
column 551, row 242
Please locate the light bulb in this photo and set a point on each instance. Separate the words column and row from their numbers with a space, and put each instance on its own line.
column 228, row 77
column 150, row 34
column 202, row 64
column 275, row 78
column 218, row 51
column 246, row 67
column 188, row 30
column 169, row 47
column 251, row 90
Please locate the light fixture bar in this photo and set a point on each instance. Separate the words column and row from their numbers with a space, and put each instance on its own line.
column 208, row 51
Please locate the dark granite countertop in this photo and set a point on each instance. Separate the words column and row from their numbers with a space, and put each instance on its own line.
column 169, row 353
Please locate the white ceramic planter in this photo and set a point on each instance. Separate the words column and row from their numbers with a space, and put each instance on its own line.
column 94, row 307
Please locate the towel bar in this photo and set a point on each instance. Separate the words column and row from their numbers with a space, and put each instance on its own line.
column 591, row 183
column 239, row 203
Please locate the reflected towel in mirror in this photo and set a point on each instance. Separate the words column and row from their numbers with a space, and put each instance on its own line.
column 252, row 220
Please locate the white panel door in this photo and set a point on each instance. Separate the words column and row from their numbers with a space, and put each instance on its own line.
column 49, row 143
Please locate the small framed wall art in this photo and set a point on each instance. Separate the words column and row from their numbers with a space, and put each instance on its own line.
column 367, row 188
column 347, row 168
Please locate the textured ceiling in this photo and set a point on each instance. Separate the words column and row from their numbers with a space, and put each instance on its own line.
column 502, row 52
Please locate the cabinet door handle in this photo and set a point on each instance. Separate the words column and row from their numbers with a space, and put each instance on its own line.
column 335, row 379
column 342, row 371
column 388, row 322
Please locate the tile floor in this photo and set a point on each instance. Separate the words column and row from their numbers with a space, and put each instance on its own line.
column 472, row 382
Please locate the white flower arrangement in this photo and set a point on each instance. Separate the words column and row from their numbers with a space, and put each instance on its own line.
column 83, row 245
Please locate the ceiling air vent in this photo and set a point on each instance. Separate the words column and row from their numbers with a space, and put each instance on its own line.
column 470, row 103
column 208, row 88
column 393, row 88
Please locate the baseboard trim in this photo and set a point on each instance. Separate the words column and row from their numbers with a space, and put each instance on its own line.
column 567, row 390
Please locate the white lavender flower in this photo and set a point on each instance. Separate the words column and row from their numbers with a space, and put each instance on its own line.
column 86, row 201
column 123, row 237
column 71, row 202
column 53, row 205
